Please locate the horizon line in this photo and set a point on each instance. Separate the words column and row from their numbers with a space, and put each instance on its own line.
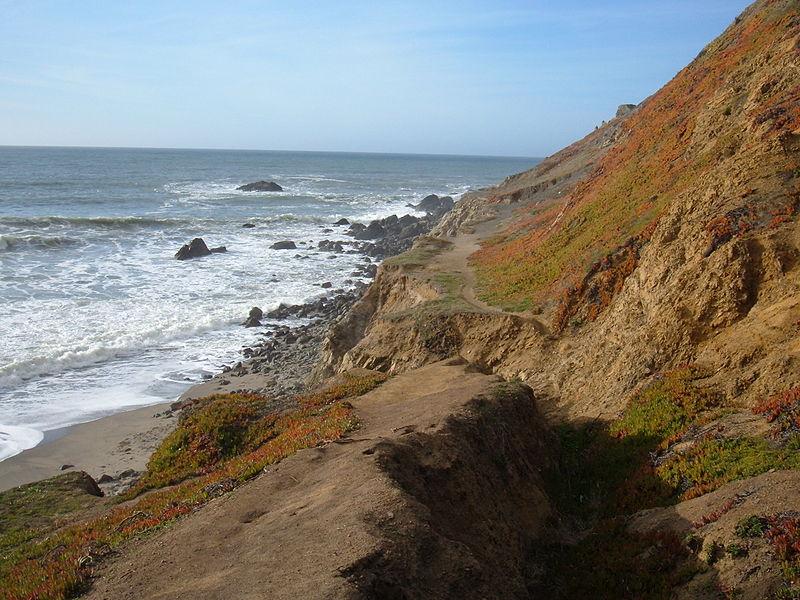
column 440, row 154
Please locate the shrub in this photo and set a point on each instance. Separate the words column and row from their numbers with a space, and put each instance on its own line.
column 211, row 430
column 667, row 407
column 783, row 410
column 712, row 463
column 751, row 527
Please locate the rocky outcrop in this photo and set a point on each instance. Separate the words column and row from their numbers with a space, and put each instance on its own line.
column 435, row 205
column 254, row 317
column 393, row 235
column 260, row 186
column 625, row 109
column 196, row 249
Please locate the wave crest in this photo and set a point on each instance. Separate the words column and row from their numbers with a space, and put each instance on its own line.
column 9, row 243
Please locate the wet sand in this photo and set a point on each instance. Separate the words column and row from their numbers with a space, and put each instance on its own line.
column 109, row 445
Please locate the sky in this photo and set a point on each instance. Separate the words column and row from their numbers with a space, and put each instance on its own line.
column 497, row 77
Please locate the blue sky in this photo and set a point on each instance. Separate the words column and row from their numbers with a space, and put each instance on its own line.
column 496, row 77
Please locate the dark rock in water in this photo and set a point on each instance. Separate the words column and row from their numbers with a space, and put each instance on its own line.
column 65, row 467
column 284, row 245
column 330, row 246
column 105, row 478
column 355, row 228
column 342, row 222
column 249, row 225
column 260, row 186
column 326, row 285
column 194, row 249
column 256, row 313
column 218, row 250
column 436, row 205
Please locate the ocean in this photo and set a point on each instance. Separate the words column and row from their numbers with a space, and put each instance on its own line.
column 97, row 316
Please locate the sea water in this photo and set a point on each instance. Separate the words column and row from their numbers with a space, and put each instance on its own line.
column 97, row 316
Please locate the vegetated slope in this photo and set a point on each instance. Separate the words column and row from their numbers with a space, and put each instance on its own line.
column 437, row 495
column 667, row 236
column 721, row 134
column 648, row 276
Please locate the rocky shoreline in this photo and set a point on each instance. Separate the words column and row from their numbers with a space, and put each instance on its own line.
column 280, row 364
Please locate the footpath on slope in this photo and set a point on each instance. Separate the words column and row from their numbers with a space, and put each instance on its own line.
column 439, row 490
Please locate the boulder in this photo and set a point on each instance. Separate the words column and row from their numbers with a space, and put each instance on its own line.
column 436, row 205
column 407, row 220
column 342, row 222
column 249, row 225
column 625, row 109
column 256, row 313
column 218, row 250
column 356, row 228
column 372, row 231
column 260, row 186
column 326, row 285
column 194, row 249
column 284, row 245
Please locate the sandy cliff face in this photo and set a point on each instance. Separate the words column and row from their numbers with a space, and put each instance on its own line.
column 665, row 237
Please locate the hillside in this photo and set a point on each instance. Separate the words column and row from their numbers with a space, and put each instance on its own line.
column 584, row 383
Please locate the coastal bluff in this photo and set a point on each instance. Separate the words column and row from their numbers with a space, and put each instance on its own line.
column 583, row 382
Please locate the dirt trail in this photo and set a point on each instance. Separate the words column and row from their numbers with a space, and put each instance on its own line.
column 369, row 516
column 456, row 260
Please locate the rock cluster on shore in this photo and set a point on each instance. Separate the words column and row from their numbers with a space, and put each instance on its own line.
column 288, row 354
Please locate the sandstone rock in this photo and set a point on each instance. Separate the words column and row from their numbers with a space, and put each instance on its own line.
column 260, row 186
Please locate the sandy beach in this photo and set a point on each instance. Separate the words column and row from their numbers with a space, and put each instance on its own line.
column 110, row 445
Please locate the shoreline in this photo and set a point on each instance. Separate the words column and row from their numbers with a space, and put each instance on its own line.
column 114, row 449
column 110, row 445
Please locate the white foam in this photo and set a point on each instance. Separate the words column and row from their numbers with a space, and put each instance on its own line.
column 14, row 440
